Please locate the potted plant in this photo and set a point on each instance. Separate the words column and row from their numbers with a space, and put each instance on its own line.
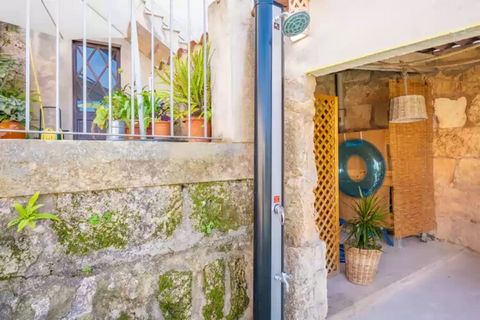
column 161, row 122
column 120, row 113
column 12, row 117
column 362, row 247
column 12, row 101
column 197, row 91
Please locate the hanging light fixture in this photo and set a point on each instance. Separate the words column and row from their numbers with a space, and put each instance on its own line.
column 408, row 108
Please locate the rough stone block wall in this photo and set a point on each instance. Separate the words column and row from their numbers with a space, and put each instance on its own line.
column 168, row 251
column 457, row 155
column 366, row 97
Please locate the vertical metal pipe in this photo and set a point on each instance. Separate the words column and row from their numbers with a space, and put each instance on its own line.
column 205, row 68
column 263, row 171
column 132, row 75
column 171, row 69
column 152, row 66
column 57, row 67
column 189, row 70
column 339, row 91
column 269, row 213
column 110, row 66
column 27, row 66
column 85, row 71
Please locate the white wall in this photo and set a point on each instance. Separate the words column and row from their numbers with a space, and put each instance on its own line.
column 232, row 36
column 345, row 30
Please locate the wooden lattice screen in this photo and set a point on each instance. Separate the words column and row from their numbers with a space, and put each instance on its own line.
column 326, row 192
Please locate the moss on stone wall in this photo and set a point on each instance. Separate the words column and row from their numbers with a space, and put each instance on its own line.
column 214, row 289
column 239, row 298
column 175, row 295
column 123, row 316
column 172, row 217
column 99, row 231
column 213, row 208
column 14, row 256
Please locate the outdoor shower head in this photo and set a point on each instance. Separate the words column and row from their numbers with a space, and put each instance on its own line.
column 295, row 23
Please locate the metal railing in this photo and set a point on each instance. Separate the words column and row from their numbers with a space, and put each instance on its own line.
column 137, row 103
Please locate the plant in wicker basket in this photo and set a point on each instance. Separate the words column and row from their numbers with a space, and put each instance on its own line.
column 363, row 250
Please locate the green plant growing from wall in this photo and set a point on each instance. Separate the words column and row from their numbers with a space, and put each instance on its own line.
column 87, row 270
column 28, row 215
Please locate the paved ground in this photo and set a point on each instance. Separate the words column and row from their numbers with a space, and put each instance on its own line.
column 436, row 280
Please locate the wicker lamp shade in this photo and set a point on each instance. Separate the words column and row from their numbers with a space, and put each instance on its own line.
column 407, row 109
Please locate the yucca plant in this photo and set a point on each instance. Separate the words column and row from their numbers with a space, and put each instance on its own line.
column 29, row 215
column 180, row 84
column 365, row 229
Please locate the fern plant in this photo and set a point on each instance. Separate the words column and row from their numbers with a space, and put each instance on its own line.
column 29, row 215
column 364, row 231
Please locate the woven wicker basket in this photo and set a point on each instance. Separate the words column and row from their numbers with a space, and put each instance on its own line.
column 361, row 265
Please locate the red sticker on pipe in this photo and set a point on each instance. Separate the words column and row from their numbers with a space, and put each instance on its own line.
column 276, row 199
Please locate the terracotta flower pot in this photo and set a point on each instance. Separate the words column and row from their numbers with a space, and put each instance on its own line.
column 361, row 265
column 197, row 129
column 162, row 128
column 12, row 125
column 136, row 130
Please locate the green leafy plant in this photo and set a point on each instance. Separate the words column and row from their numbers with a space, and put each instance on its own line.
column 29, row 215
column 122, row 110
column 180, row 84
column 12, row 109
column 12, row 100
column 11, row 77
column 87, row 270
column 364, row 230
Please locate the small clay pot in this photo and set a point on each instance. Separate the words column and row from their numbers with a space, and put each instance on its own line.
column 12, row 125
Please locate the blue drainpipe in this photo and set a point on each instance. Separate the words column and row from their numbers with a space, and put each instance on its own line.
column 268, row 204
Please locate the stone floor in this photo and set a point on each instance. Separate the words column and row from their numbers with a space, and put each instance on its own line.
column 433, row 280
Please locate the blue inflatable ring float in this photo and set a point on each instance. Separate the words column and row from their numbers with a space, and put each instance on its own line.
column 374, row 162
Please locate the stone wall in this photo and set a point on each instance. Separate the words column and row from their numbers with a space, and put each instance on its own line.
column 148, row 245
column 366, row 97
column 305, row 252
column 457, row 155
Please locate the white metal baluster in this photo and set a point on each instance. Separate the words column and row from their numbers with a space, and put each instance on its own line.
column 205, row 98
column 189, row 71
column 57, row 69
column 152, row 66
column 110, row 66
column 171, row 69
column 27, row 67
column 85, row 66
column 132, row 80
